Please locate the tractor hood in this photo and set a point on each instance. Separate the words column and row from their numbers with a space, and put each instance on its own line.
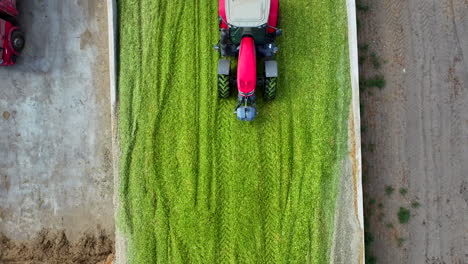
column 247, row 13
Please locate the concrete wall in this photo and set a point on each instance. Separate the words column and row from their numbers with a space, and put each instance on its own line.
column 55, row 123
column 348, row 243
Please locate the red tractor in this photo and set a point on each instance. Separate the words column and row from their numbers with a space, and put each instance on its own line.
column 248, row 31
column 11, row 37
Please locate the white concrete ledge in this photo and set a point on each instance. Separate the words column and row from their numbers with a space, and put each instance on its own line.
column 348, row 241
column 112, row 24
column 355, row 106
column 112, row 16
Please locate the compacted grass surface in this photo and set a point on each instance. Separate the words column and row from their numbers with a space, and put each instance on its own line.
column 198, row 186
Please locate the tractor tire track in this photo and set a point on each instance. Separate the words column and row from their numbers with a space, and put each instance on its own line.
column 128, row 127
column 224, row 208
column 196, row 32
column 270, row 202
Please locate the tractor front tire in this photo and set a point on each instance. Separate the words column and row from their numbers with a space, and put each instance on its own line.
column 271, row 83
column 223, row 86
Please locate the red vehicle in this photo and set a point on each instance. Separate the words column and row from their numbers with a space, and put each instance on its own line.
column 11, row 37
column 248, row 32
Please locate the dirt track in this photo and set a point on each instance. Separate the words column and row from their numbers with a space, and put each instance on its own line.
column 53, row 247
column 417, row 127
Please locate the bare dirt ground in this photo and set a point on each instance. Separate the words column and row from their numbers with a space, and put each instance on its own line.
column 54, row 248
column 415, row 130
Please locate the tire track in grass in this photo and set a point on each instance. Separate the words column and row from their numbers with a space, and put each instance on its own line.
column 190, row 135
column 180, row 107
column 171, row 20
column 287, row 173
column 270, row 201
column 197, row 58
column 164, row 82
column 224, row 208
column 246, row 189
column 145, row 218
column 128, row 126
column 207, row 104
column 269, row 183
column 291, row 162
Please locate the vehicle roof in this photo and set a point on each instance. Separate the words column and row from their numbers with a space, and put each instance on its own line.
column 247, row 13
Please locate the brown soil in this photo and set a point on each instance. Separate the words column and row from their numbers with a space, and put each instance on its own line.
column 415, row 130
column 54, row 247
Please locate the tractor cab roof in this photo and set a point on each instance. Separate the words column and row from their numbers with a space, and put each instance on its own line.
column 247, row 13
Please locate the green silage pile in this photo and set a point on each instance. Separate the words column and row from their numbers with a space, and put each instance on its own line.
column 198, row 186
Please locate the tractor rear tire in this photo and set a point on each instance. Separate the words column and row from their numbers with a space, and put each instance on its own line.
column 271, row 83
column 223, row 86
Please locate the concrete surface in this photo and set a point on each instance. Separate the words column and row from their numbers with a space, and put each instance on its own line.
column 55, row 128
column 417, row 130
column 348, row 239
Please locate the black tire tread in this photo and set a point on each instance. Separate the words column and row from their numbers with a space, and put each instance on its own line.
column 18, row 34
column 271, row 84
column 223, row 86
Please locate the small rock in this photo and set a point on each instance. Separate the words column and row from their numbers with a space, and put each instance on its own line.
column 6, row 115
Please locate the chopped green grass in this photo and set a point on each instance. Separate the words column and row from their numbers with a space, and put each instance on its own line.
column 198, row 186
column 415, row 204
